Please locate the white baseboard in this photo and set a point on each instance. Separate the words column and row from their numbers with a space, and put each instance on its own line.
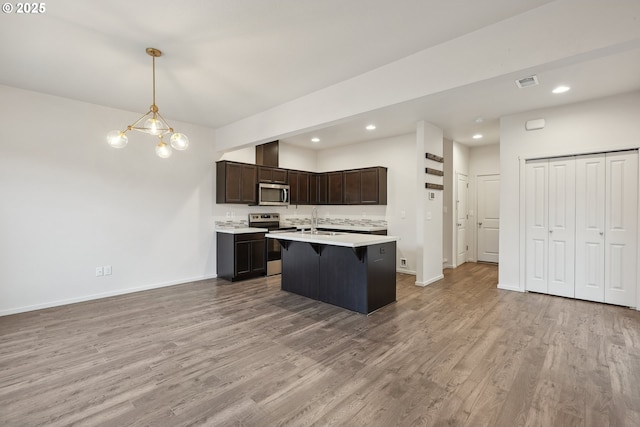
column 92, row 297
column 404, row 271
column 510, row 288
column 430, row 281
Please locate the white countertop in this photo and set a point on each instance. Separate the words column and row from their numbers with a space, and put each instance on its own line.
column 344, row 227
column 241, row 230
column 351, row 240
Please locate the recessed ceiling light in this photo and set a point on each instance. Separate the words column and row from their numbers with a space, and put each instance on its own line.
column 370, row 127
column 561, row 89
column 315, row 139
column 479, row 120
column 477, row 136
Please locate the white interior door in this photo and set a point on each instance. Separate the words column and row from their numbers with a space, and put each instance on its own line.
column 488, row 217
column 462, row 186
column 621, row 227
column 590, row 227
column 537, row 230
column 562, row 215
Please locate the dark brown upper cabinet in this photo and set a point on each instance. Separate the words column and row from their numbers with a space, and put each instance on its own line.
column 273, row 175
column 236, row 182
column 267, row 154
column 334, row 188
column 299, row 182
column 365, row 186
column 318, row 188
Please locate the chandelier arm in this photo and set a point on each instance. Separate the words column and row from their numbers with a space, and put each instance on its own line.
column 134, row 124
column 165, row 122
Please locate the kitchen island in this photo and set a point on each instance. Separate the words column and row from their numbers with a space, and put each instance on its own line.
column 353, row 271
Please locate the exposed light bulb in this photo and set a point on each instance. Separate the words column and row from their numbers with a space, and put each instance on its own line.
column 179, row 141
column 163, row 150
column 117, row 139
column 155, row 126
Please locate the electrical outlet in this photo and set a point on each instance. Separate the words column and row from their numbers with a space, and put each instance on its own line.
column 99, row 271
column 107, row 270
column 403, row 262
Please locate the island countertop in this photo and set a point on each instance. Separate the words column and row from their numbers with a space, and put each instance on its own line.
column 352, row 240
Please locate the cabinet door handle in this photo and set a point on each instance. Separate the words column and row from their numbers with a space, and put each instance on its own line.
column 550, row 231
column 602, row 233
column 479, row 224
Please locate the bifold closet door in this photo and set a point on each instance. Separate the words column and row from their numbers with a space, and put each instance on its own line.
column 537, row 228
column 562, row 226
column 550, row 222
column 590, row 227
column 621, row 228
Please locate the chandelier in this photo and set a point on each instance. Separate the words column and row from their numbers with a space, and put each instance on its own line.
column 152, row 123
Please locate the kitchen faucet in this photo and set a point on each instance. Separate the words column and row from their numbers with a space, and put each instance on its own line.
column 314, row 220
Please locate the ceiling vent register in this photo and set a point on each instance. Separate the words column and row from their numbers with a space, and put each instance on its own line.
column 527, row 81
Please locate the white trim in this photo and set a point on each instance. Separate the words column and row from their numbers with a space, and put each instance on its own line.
column 510, row 288
column 102, row 295
column 430, row 281
column 412, row 272
column 637, row 307
column 522, row 231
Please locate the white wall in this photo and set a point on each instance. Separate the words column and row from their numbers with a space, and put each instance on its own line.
column 429, row 217
column 398, row 155
column 606, row 124
column 71, row 203
column 483, row 160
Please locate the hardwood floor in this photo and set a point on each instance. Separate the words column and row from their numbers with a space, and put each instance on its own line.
column 458, row 352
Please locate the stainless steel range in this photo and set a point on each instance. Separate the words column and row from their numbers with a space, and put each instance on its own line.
column 270, row 221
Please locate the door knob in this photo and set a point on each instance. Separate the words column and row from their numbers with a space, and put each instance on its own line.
column 479, row 224
column 601, row 233
column 550, row 231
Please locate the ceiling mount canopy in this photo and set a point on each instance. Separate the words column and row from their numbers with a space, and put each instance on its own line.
column 152, row 123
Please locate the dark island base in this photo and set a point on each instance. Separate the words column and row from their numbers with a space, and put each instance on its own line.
column 361, row 279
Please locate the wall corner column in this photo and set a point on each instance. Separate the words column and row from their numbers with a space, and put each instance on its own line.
column 429, row 218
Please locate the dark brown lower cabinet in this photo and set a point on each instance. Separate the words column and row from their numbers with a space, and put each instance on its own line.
column 361, row 279
column 241, row 256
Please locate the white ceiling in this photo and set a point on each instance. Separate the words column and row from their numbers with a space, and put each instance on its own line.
column 229, row 59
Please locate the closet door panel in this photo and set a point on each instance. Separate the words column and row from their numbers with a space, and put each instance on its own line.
column 621, row 228
column 590, row 226
column 562, row 226
column 537, row 230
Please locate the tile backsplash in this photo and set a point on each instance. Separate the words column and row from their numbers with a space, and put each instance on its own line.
column 360, row 222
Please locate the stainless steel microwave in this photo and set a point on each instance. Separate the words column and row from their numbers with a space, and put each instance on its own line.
column 273, row 194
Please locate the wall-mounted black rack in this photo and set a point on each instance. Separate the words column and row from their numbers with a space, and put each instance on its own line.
column 434, row 157
column 431, row 186
column 431, row 171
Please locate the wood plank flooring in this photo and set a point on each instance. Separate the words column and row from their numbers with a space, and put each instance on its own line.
column 457, row 353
